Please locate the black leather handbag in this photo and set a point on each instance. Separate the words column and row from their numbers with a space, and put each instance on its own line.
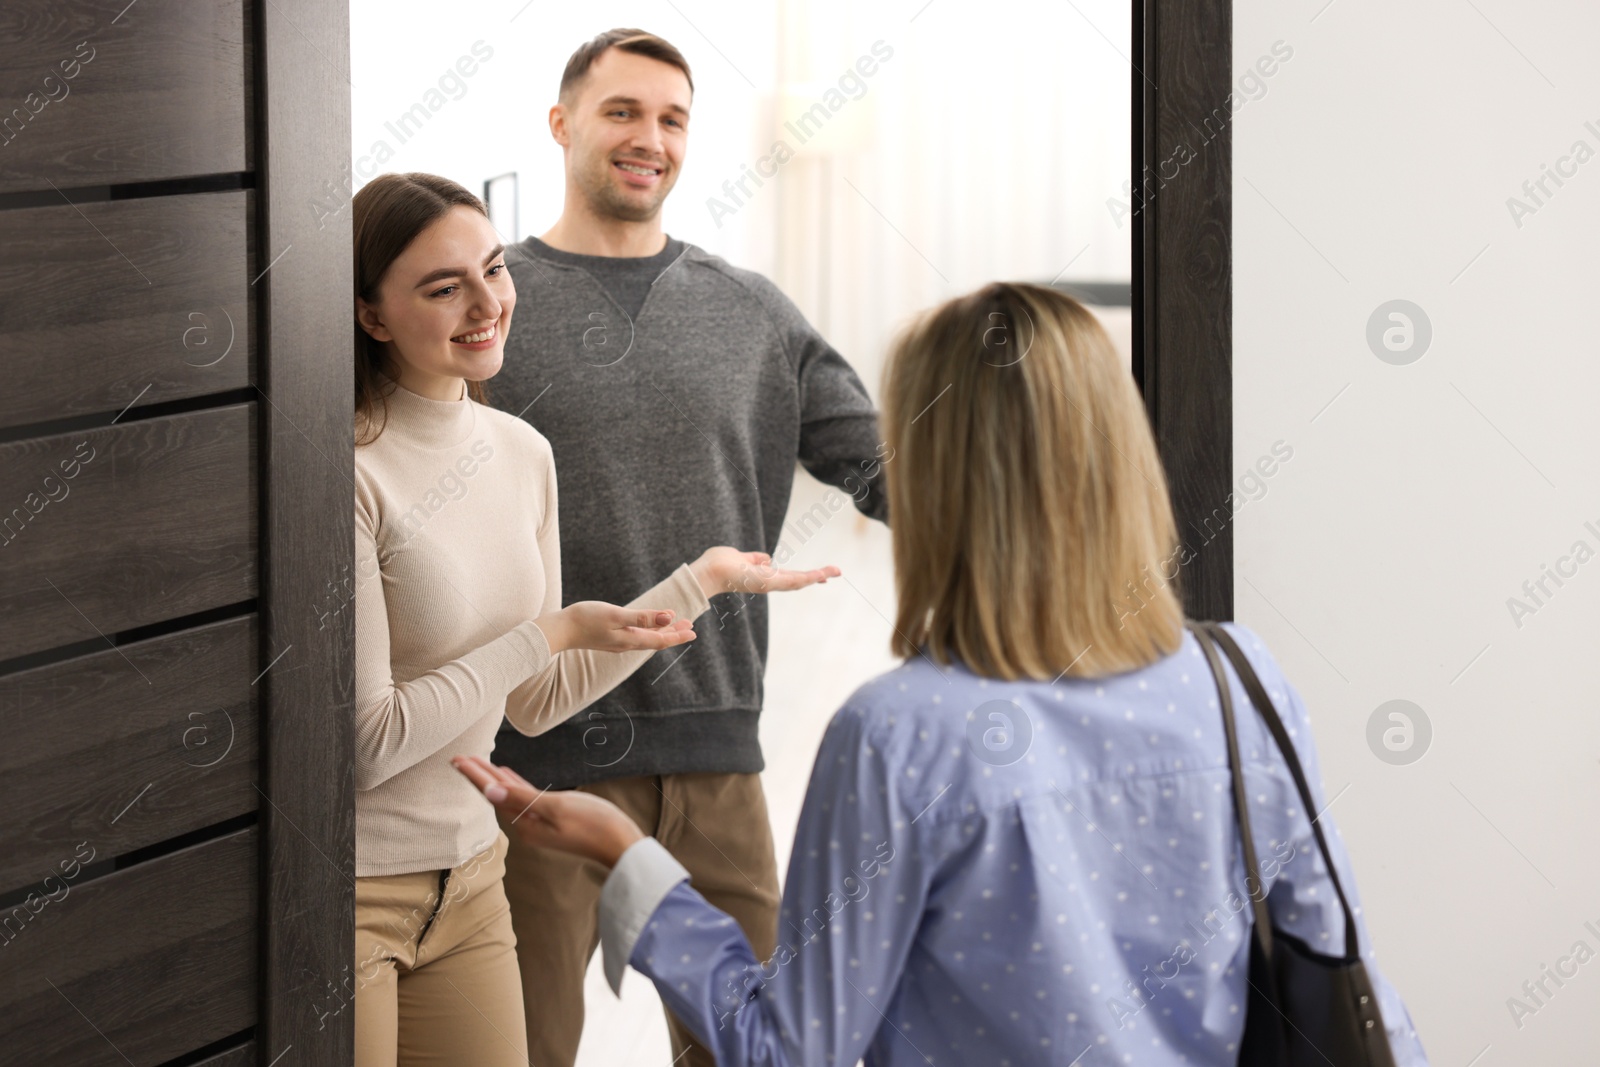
column 1306, row 1009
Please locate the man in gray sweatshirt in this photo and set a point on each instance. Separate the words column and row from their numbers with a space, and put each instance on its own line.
column 677, row 393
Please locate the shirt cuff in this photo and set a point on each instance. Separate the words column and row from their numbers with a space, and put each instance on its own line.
column 695, row 596
column 642, row 877
column 538, row 645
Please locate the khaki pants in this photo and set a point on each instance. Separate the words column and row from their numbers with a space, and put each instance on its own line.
column 714, row 824
column 436, row 969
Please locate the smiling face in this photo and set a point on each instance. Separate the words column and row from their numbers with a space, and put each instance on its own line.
column 444, row 306
column 625, row 134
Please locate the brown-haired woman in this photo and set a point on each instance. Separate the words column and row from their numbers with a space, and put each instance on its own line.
column 1019, row 846
column 459, row 623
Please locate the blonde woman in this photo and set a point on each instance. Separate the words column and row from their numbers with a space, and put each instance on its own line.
column 459, row 623
column 1018, row 847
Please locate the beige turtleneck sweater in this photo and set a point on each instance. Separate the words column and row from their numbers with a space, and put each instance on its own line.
column 456, row 515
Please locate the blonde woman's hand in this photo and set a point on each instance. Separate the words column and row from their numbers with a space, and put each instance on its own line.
column 727, row 570
column 609, row 628
column 569, row 819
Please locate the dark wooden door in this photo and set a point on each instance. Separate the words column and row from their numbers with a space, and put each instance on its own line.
column 176, row 857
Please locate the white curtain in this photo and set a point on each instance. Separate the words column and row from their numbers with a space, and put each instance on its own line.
column 987, row 146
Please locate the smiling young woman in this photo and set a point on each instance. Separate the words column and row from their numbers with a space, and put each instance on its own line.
column 459, row 623
column 395, row 221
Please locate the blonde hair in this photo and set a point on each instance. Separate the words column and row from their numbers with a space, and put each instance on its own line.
column 1026, row 497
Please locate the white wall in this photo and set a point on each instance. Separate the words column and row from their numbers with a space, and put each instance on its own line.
column 1420, row 497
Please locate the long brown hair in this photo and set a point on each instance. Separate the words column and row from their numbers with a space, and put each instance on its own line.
column 1025, row 492
column 386, row 216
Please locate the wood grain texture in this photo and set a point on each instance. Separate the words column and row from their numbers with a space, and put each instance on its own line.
column 159, row 521
column 1183, row 276
column 243, row 1056
column 127, row 747
column 138, row 966
column 309, row 536
column 126, row 299
column 101, row 92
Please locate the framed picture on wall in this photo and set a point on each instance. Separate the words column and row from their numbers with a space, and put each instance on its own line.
column 500, row 197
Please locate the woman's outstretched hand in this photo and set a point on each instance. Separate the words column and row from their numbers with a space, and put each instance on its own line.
column 608, row 628
column 568, row 819
column 727, row 570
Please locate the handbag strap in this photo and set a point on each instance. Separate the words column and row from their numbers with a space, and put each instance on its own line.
column 1280, row 735
column 1262, row 930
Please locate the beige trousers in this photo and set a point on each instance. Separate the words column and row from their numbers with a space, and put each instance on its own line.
column 436, row 968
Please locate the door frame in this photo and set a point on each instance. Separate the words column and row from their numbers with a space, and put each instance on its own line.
column 1182, row 360
column 1183, row 275
column 304, row 273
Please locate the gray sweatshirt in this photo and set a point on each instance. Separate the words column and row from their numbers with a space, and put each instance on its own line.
column 676, row 425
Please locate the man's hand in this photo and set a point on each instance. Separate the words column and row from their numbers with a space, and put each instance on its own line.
column 569, row 820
